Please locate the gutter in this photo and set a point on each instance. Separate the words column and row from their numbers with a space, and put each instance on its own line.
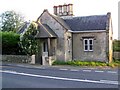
column 86, row 31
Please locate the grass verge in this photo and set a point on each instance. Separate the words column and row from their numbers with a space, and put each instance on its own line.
column 116, row 63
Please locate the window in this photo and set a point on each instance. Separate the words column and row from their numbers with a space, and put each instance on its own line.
column 88, row 44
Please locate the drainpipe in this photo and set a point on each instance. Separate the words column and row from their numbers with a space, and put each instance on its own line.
column 72, row 46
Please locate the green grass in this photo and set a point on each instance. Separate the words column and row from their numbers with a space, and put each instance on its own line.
column 87, row 63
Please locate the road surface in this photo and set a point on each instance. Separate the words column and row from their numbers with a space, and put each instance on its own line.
column 45, row 77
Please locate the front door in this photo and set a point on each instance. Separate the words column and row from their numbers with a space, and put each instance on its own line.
column 44, row 53
column 45, row 49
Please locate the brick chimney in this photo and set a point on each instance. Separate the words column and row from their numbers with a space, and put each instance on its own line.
column 63, row 10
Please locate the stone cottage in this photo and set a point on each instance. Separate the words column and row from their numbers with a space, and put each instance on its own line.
column 64, row 36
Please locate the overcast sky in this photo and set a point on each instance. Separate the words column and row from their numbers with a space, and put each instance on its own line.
column 32, row 9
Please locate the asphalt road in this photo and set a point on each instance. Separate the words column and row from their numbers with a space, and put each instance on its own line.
column 22, row 77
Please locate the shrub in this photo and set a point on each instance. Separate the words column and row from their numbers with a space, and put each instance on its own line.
column 116, row 45
column 27, row 40
column 10, row 43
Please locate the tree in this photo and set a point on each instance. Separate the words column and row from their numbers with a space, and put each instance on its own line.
column 10, row 21
column 27, row 40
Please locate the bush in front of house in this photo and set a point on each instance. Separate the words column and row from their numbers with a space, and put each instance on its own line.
column 28, row 43
column 10, row 43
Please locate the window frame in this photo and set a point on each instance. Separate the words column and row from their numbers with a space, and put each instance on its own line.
column 88, row 44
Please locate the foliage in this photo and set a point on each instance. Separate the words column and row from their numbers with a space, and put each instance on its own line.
column 28, row 42
column 10, row 21
column 10, row 43
column 86, row 63
column 116, row 45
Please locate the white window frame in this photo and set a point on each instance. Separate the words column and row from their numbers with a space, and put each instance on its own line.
column 88, row 44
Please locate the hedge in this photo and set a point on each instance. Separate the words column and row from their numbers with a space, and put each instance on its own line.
column 116, row 45
column 10, row 43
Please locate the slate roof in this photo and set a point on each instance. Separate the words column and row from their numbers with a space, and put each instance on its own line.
column 45, row 31
column 23, row 27
column 86, row 23
column 50, row 30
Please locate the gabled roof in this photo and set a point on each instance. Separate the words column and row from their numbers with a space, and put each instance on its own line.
column 86, row 23
column 45, row 32
column 57, row 18
column 23, row 27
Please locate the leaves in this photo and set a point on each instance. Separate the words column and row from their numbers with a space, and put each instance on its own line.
column 116, row 45
column 10, row 43
column 11, row 21
column 28, row 42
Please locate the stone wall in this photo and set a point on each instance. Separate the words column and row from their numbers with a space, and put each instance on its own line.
column 16, row 58
column 99, row 46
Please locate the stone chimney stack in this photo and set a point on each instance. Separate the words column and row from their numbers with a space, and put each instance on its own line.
column 55, row 10
column 63, row 10
column 60, row 9
column 70, row 9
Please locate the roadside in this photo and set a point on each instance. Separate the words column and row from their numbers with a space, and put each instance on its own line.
column 38, row 66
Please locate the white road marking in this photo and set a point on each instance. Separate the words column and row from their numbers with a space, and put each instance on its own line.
column 60, row 78
column 40, row 67
column 99, row 71
column 109, row 81
column 111, row 72
column 74, row 70
column 87, row 70
column 63, row 69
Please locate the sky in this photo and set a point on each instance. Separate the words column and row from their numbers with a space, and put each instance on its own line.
column 32, row 9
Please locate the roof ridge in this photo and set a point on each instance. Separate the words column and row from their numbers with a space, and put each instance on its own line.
column 74, row 17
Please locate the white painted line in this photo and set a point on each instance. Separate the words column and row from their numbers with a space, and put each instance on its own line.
column 60, row 78
column 40, row 67
column 109, row 81
column 99, row 71
column 63, row 69
column 87, row 70
column 74, row 70
column 111, row 72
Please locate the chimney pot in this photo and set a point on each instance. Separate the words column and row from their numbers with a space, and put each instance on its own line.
column 55, row 10
column 63, row 10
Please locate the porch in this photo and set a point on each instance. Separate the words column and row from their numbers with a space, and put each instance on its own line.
column 47, row 40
